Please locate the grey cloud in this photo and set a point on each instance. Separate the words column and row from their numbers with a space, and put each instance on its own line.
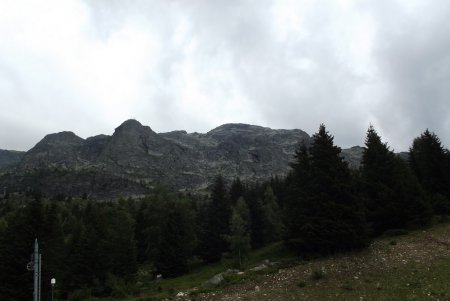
column 413, row 57
column 228, row 61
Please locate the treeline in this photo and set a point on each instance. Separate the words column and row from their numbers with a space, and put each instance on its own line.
column 321, row 207
column 331, row 208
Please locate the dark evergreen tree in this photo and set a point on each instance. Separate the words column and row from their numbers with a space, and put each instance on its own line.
column 253, row 198
column 75, row 262
column 392, row 195
column 330, row 217
column 239, row 238
column 52, row 248
column 431, row 164
column 119, row 245
column 15, row 253
column 24, row 226
column 377, row 184
column 167, row 232
column 213, row 239
column 271, row 217
column 298, row 186
column 93, row 247
column 236, row 190
column 140, row 233
column 415, row 211
column 177, row 240
column 279, row 187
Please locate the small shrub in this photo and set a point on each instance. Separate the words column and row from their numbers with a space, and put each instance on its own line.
column 443, row 219
column 80, row 295
column 347, row 287
column 171, row 291
column 233, row 278
column 301, row 284
column 317, row 275
column 395, row 232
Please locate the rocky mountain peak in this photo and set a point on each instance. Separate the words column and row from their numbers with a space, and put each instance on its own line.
column 65, row 137
column 131, row 143
column 130, row 125
column 58, row 149
column 235, row 128
column 132, row 132
column 135, row 158
column 57, row 141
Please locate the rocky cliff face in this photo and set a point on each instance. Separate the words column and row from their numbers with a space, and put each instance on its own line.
column 135, row 158
column 10, row 157
column 353, row 156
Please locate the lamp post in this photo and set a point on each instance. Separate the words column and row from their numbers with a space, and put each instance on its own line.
column 53, row 282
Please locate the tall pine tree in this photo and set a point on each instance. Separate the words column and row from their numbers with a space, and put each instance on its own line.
column 323, row 213
column 392, row 195
column 431, row 164
column 213, row 239
column 239, row 238
column 271, row 217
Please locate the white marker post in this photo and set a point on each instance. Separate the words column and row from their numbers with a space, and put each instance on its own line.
column 53, row 282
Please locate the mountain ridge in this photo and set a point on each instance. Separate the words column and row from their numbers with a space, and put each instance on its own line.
column 135, row 158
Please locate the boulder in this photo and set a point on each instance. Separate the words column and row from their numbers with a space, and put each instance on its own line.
column 214, row 281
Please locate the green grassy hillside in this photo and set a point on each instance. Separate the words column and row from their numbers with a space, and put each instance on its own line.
column 414, row 266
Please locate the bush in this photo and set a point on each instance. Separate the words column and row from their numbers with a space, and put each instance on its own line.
column 301, row 284
column 347, row 287
column 395, row 232
column 80, row 295
column 317, row 275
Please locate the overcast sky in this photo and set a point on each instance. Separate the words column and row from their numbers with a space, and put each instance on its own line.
column 86, row 66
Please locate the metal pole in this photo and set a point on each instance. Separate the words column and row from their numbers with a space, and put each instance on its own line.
column 40, row 274
column 53, row 282
column 36, row 270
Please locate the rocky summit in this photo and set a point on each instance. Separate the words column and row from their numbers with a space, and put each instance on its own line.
column 135, row 159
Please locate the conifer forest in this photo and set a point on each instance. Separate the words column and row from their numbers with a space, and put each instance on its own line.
column 321, row 207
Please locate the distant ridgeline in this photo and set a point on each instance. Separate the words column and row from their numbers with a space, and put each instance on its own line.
column 10, row 157
column 135, row 159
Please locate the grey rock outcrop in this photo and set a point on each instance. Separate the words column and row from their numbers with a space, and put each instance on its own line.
column 10, row 157
column 62, row 150
column 135, row 158
column 353, row 156
column 213, row 281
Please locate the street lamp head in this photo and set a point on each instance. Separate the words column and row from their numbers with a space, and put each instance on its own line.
column 53, row 281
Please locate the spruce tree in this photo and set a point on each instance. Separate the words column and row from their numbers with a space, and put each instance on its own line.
column 431, row 164
column 271, row 217
column 119, row 246
column 415, row 211
column 377, row 168
column 253, row 198
column 297, row 183
column 239, row 238
column 328, row 215
column 236, row 190
column 392, row 194
column 213, row 241
column 16, row 247
column 17, row 242
column 177, row 239
column 52, row 248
